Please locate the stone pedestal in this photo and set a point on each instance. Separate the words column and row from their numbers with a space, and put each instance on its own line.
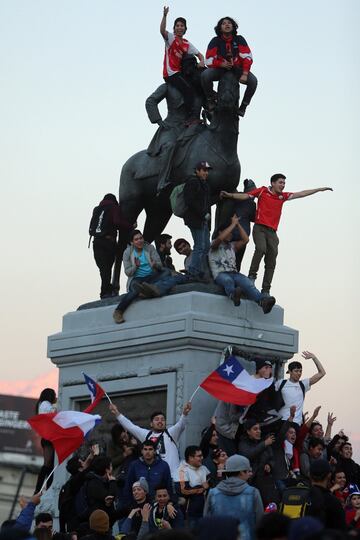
column 166, row 346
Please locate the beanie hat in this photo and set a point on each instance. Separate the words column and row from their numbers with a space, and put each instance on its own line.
column 237, row 463
column 249, row 185
column 99, row 521
column 142, row 482
column 261, row 362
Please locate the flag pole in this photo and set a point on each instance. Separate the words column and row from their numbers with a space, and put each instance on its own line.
column 193, row 394
column 108, row 398
column 48, row 477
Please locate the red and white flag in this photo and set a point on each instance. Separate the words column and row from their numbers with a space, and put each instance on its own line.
column 66, row 430
column 96, row 392
column 231, row 382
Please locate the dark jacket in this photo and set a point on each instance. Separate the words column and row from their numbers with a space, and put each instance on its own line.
column 350, row 468
column 197, row 199
column 257, row 453
column 151, row 525
column 155, row 474
column 327, row 508
column 97, row 488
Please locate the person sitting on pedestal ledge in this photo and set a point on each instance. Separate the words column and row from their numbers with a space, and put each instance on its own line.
column 147, row 276
column 166, row 439
column 222, row 260
column 163, row 247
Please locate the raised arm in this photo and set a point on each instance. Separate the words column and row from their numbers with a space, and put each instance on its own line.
column 223, row 234
column 307, row 193
column 163, row 30
column 321, row 371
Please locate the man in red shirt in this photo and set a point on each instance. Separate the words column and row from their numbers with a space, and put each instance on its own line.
column 268, row 213
column 176, row 46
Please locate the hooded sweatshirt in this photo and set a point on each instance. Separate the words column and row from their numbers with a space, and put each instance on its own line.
column 234, row 497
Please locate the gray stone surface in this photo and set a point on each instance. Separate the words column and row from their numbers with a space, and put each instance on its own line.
column 172, row 342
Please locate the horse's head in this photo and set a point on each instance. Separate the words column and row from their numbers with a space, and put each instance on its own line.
column 228, row 93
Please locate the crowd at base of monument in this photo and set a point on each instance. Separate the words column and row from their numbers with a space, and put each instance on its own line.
column 260, row 471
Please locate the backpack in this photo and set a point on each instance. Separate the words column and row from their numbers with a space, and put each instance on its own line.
column 177, row 201
column 160, row 440
column 279, row 400
column 295, row 501
column 101, row 223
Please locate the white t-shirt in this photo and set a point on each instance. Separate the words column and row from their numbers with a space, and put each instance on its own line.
column 187, row 473
column 293, row 395
column 46, row 407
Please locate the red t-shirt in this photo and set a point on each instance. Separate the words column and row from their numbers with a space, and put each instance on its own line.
column 174, row 51
column 349, row 516
column 269, row 206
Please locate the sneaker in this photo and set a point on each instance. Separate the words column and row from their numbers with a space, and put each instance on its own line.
column 236, row 296
column 267, row 303
column 118, row 316
column 150, row 291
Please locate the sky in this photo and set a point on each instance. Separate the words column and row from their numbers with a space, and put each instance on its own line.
column 74, row 78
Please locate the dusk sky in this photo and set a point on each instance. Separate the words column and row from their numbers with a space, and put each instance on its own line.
column 74, row 78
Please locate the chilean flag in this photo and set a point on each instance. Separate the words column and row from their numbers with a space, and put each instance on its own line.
column 66, row 430
column 96, row 392
column 231, row 382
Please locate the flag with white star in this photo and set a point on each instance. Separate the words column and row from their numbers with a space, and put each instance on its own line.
column 231, row 383
column 96, row 392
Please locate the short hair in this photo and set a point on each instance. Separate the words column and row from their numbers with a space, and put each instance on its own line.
column 156, row 413
column 344, row 444
column 276, row 177
column 315, row 441
column 180, row 241
column 134, row 233
column 161, row 486
column 110, row 197
column 73, row 465
column 313, row 424
column 337, row 471
column 149, row 442
column 191, row 450
column 180, row 19
column 43, row 517
column 218, row 26
column 100, row 464
column 162, row 239
column 273, row 525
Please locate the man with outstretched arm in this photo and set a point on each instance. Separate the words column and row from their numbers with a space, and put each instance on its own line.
column 268, row 213
column 166, row 439
column 293, row 389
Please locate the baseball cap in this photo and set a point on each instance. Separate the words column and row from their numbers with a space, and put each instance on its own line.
column 202, row 165
column 294, row 365
column 237, row 463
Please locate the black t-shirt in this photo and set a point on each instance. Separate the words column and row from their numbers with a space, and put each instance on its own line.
column 327, row 508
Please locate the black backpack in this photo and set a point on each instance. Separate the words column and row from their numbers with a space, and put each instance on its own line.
column 101, row 223
column 279, row 400
column 294, row 501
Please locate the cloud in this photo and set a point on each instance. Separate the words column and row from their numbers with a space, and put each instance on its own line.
column 32, row 387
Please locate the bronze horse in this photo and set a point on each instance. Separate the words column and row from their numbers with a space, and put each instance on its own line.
column 215, row 143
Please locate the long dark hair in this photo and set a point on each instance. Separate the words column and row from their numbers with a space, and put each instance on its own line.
column 48, row 394
column 218, row 26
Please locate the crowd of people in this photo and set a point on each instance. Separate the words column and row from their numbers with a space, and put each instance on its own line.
column 265, row 471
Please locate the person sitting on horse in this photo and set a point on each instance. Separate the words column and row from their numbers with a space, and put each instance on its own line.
column 228, row 51
column 176, row 46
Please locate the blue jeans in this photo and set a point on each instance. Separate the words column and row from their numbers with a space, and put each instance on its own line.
column 163, row 280
column 231, row 280
column 201, row 248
